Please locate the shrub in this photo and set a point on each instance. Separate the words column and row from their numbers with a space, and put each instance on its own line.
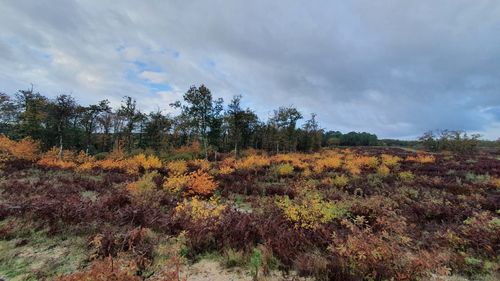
column 201, row 183
column 390, row 160
column 340, row 180
column 145, row 183
column 421, row 158
column 233, row 258
column 52, row 159
column 328, row 163
column 201, row 164
column 176, row 183
column 253, row 162
column 105, row 270
column 25, row 149
column 383, row 170
column 198, row 209
column 284, row 170
column 406, row 176
column 309, row 210
column 255, row 263
column 495, row 182
column 177, row 167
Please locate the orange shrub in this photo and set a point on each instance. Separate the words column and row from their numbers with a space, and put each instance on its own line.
column 201, row 183
column 26, row 149
column 51, row 159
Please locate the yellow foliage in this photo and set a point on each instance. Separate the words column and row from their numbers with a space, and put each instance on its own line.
column 177, row 167
column 199, row 209
column 406, row 176
column 383, row 170
column 353, row 168
column 176, row 182
column 390, row 160
column 328, row 163
column 253, row 162
column 284, row 169
column 309, row 210
column 421, row 158
column 340, row 180
column 201, row 183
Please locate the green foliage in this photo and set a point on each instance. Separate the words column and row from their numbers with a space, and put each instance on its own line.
column 255, row 263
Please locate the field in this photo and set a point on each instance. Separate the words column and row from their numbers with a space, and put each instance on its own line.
column 340, row 214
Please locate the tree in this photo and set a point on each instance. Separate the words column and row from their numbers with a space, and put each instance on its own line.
column 90, row 119
column 156, row 130
column 285, row 121
column 62, row 109
column 312, row 135
column 33, row 113
column 8, row 114
column 130, row 116
column 199, row 110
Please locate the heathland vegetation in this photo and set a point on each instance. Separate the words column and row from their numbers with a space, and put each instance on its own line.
column 92, row 193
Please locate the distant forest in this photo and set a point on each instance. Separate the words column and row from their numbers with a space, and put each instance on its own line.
column 203, row 120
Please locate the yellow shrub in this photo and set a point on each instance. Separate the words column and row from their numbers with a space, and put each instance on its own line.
column 406, row 176
column 383, row 170
column 390, row 160
column 340, row 180
column 176, row 183
column 201, row 183
column 352, row 167
column 309, row 210
column 328, row 163
column 177, row 167
column 199, row 209
column 284, row 170
column 366, row 161
column 421, row 158
column 253, row 162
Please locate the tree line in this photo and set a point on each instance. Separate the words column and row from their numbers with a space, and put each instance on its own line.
column 203, row 119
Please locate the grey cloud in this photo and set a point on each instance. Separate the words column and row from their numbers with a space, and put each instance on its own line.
column 393, row 68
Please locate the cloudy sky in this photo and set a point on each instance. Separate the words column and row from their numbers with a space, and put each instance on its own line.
column 394, row 68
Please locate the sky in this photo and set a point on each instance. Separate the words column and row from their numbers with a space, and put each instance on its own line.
column 394, row 68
